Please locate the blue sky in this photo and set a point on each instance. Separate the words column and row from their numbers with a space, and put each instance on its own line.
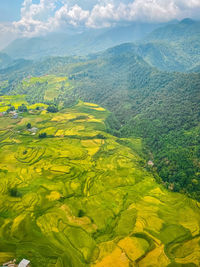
column 7, row 13
column 29, row 18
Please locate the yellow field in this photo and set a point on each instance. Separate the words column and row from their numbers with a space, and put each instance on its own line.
column 80, row 197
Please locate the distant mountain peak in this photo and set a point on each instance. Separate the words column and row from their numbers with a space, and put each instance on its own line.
column 187, row 21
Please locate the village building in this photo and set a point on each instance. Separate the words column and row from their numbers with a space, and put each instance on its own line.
column 15, row 116
column 150, row 163
column 33, row 130
column 12, row 112
column 24, row 263
column 10, row 263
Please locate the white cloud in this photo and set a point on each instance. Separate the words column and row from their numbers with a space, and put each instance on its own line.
column 143, row 10
column 75, row 16
column 54, row 15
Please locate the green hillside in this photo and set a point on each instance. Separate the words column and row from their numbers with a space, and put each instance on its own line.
column 79, row 196
column 177, row 31
column 174, row 47
column 161, row 108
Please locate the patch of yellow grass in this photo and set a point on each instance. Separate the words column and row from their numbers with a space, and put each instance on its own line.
column 155, row 257
column 99, row 109
column 62, row 117
column 92, row 145
column 90, row 104
column 49, row 130
column 188, row 252
column 54, row 196
column 6, row 256
column 116, row 259
column 134, row 247
column 60, row 133
column 58, row 168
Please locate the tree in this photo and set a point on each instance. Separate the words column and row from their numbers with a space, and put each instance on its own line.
column 81, row 213
column 28, row 126
column 22, row 108
column 52, row 109
column 14, row 192
column 42, row 135
column 11, row 108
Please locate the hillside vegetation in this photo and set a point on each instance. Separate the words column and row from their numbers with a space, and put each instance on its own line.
column 161, row 108
column 82, row 197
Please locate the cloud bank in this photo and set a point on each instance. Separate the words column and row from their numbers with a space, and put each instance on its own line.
column 56, row 15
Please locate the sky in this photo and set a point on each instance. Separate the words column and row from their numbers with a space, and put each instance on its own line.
column 29, row 18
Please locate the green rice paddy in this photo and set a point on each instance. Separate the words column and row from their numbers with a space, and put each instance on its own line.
column 80, row 197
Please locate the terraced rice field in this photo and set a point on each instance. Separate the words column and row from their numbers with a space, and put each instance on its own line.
column 43, row 89
column 16, row 101
column 80, row 197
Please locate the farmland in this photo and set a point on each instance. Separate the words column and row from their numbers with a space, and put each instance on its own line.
column 81, row 197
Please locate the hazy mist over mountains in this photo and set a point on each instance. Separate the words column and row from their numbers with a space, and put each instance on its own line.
column 168, row 46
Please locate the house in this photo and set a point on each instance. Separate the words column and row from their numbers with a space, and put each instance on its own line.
column 33, row 130
column 12, row 112
column 10, row 263
column 15, row 116
column 150, row 163
column 24, row 263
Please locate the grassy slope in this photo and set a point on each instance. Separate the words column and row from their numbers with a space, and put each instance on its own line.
column 158, row 106
column 81, row 198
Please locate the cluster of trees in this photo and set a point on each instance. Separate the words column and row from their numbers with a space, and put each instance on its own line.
column 52, row 109
column 22, row 108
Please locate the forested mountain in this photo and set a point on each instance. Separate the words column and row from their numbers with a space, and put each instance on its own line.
column 171, row 47
column 176, row 32
column 174, row 47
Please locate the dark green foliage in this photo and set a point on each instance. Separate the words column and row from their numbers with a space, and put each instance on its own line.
column 28, row 126
column 100, row 136
column 11, row 108
column 52, row 109
column 14, row 192
column 42, row 135
column 81, row 213
column 22, row 108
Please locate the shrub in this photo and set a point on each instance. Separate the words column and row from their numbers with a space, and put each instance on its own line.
column 42, row 135
column 28, row 126
column 22, row 108
column 81, row 213
column 11, row 108
column 14, row 192
column 52, row 109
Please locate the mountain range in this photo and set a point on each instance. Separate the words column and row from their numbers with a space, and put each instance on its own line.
column 170, row 47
